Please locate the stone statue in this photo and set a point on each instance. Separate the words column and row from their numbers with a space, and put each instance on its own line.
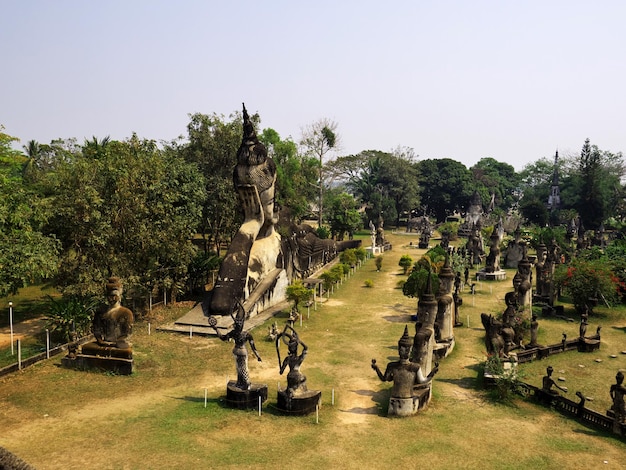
column 406, row 376
column 373, row 234
column 548, row 382
column 534, row 327
column 253, row 258
column 112, row 327
column 617, row 392
column 296, row 399
column 241, row 393
column 240, row 337
column 582, row 331
column 296, row 381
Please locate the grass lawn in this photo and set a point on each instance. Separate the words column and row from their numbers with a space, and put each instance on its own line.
column 63, row 419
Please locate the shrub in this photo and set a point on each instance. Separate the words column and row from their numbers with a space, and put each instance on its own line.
column 369, row 283
column 405, row 263
column 379, row 262
column 70, row 312
column 587, row 282
column 297, row 293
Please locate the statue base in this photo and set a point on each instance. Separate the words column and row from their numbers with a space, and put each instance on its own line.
column 117, row 365
column 588, row 345
column 443, row 348
column 243, row 399
column 402, row 407
column 483, row 275
column 301, row 404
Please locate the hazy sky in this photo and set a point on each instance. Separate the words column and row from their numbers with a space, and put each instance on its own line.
column 512, row 80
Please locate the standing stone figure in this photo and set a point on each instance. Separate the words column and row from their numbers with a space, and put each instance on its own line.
column 296, row 381
column 617, row 395
column 297, row 398
column 239, row 336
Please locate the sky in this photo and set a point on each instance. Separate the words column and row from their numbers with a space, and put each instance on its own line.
column 510, row 80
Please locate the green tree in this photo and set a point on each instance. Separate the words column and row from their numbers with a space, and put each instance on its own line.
column 138, row 210
column 212, row 145
column 386, row 183
column 26, row 255
column 499, row 179
column 405, row 263
column 587, row 282
column 343, row 215
column 296, row 176
column 446, row 186
column 534, row 211
column 298, row 293
column 318, row 139
column 599, row 175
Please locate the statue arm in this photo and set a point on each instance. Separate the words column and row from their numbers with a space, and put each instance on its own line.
column 253, row 347
column 283, row 366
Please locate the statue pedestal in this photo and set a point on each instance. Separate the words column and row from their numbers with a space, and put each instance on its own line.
column 483, row 275
column 409, row 406
column 588, row 345
column 239, row 398
column 301, row 404
column 106, row 358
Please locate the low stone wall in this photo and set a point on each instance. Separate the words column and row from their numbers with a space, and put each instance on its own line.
column 39, row 357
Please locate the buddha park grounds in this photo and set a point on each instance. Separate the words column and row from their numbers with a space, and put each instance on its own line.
column 170, row 413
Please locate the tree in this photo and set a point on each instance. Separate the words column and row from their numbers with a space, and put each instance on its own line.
column 296, row 176
column 138, row 210
column 446, row 186
column 318, row 139
column 405, row 263
column 587, row 282
column 499, row 179
column 344, row 217
column 298, row 293
column 386, row 183
column 26, row 255
column 212, row 146
column 599, row 175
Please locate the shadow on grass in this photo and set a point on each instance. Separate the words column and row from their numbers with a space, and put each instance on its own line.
column 380, row 398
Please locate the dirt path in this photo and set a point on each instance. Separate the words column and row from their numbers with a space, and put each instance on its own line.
column 21, row 330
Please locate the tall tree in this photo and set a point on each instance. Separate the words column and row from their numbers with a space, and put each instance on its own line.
column 137, row 211
column 212, row 145
column 296, row 176
column 318, row 139
column 386, row 183
column 499, row 179
column 447, row 186
column 599, row 175
column 26, row 255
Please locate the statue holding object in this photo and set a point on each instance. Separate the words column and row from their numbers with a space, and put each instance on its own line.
column 241, row 393
column 411, row 389
column 296, row 399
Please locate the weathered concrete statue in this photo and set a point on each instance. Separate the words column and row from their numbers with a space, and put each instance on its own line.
column 548, row 382
column 409, row 390
column 254, row 259
column 241, row 393
column 618, row 390
column 296, row 398
column 112, row 327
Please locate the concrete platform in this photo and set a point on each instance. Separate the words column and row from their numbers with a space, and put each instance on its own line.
column 198, row 324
